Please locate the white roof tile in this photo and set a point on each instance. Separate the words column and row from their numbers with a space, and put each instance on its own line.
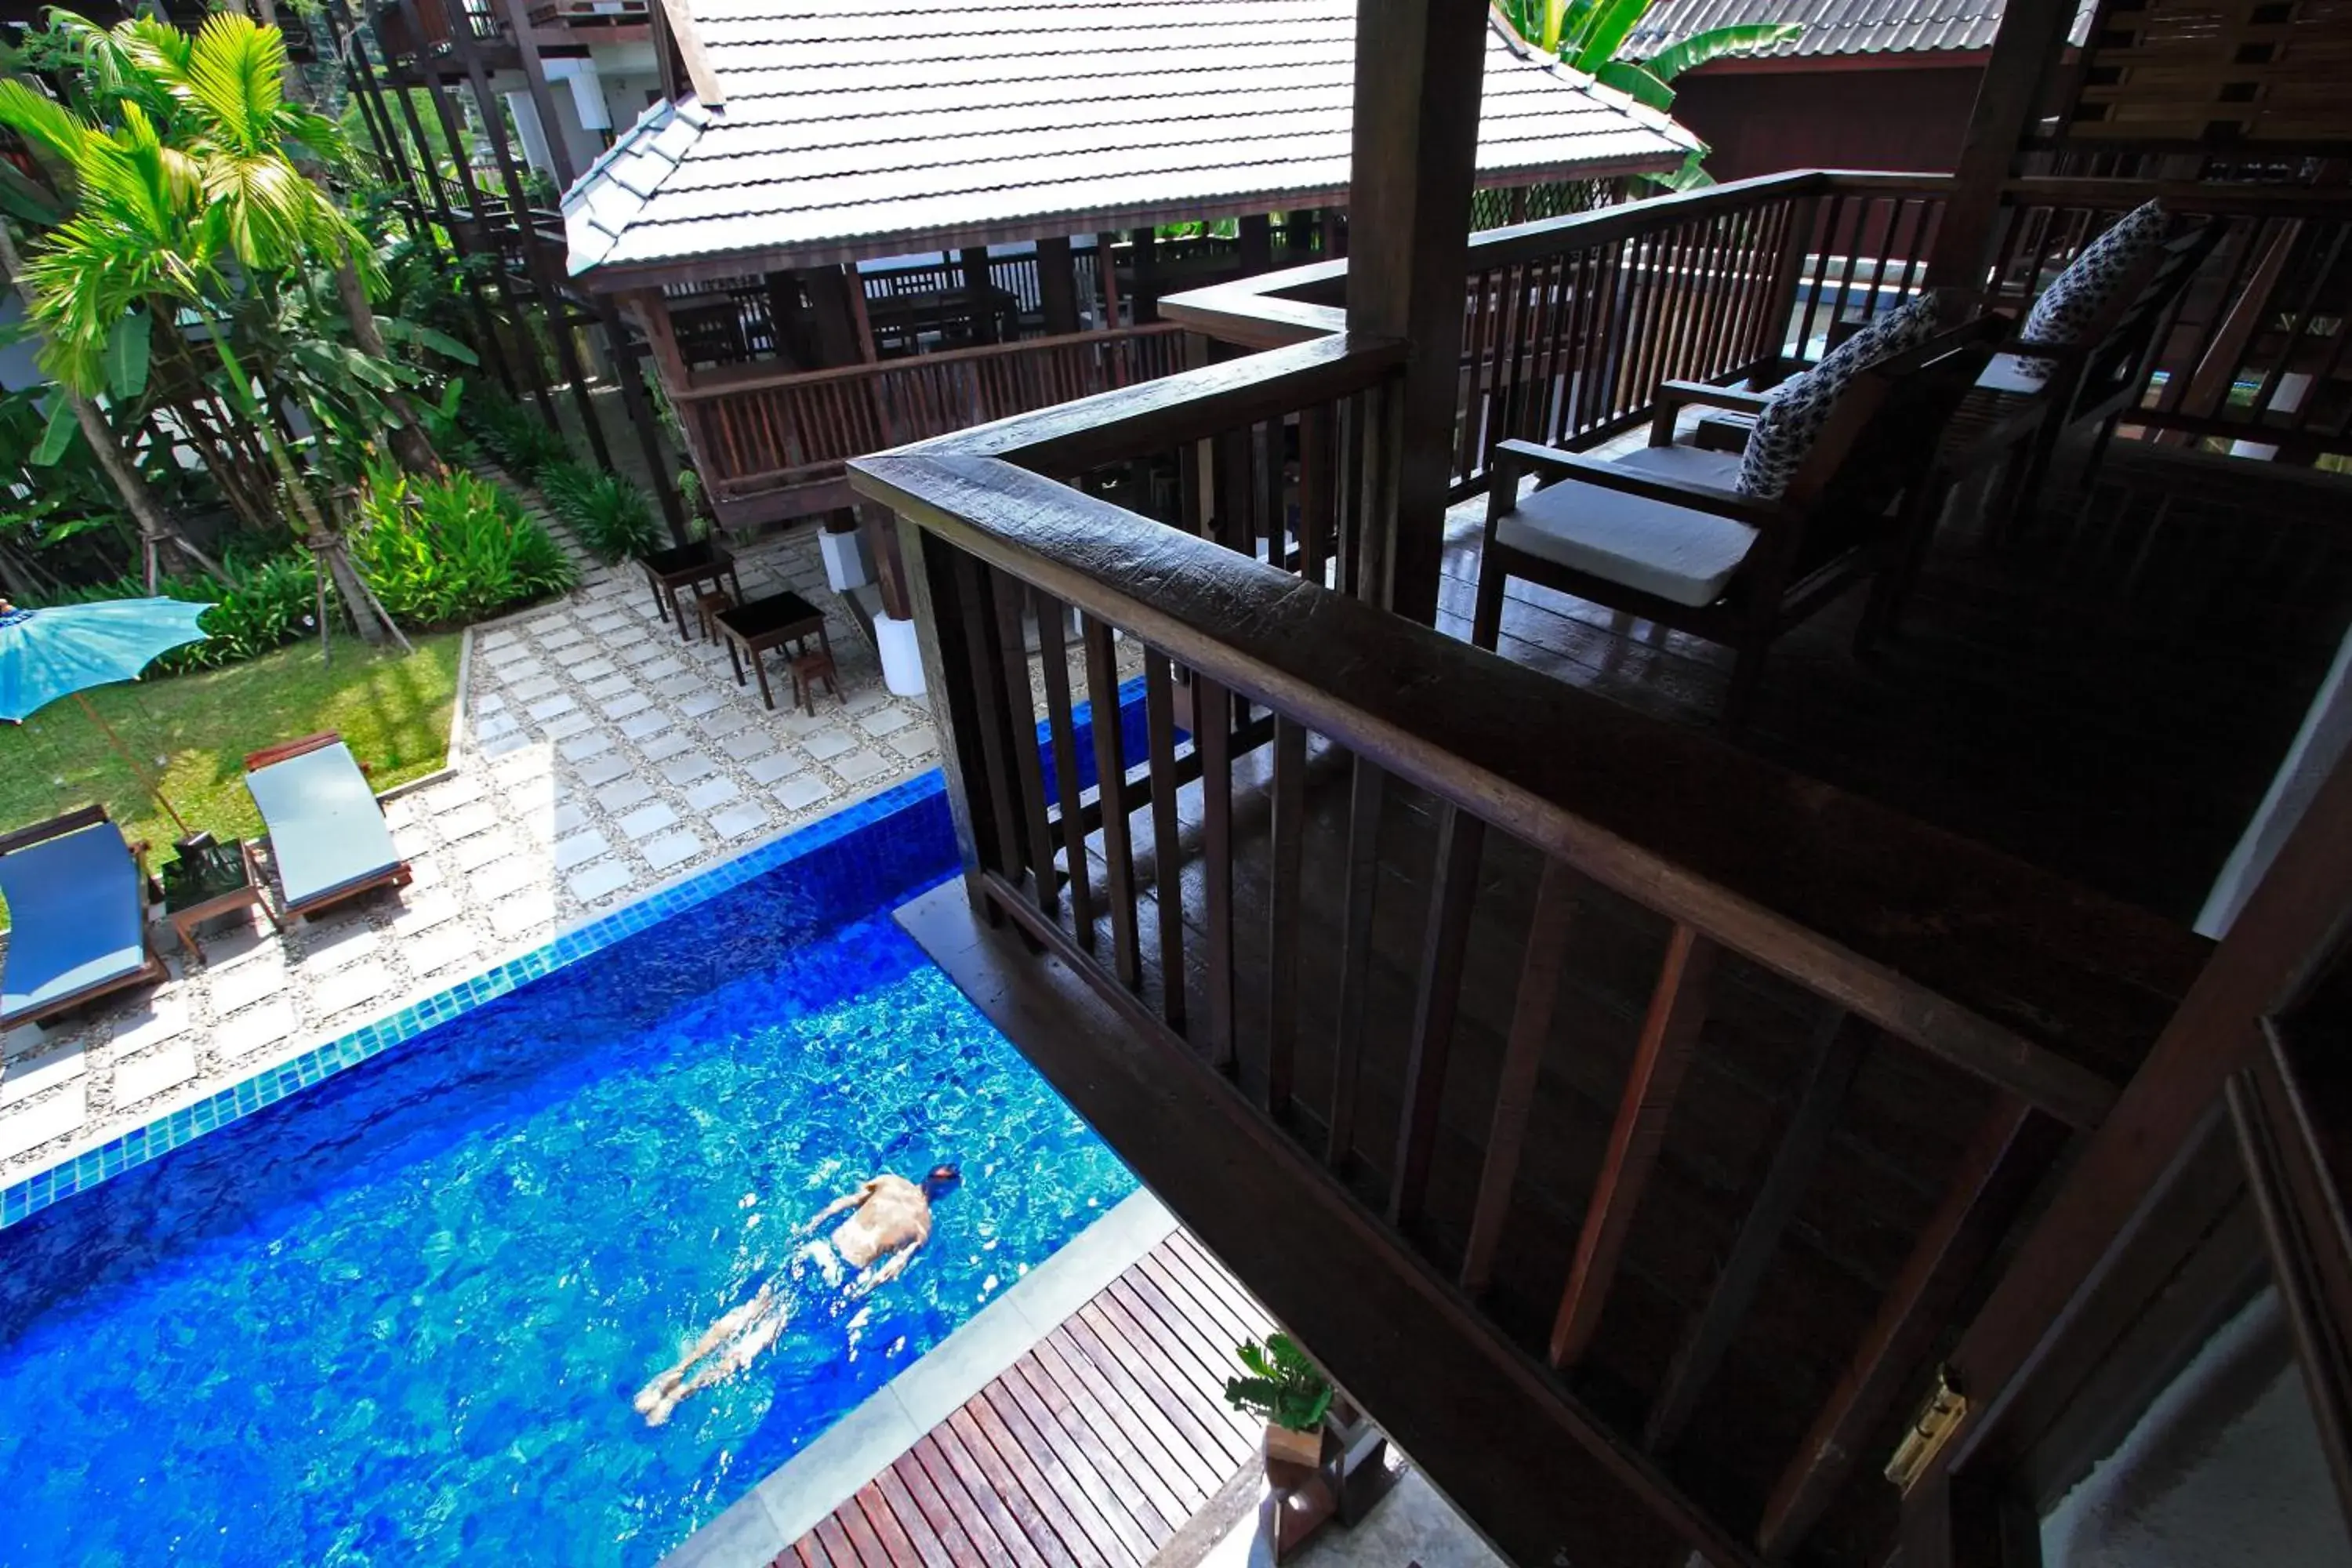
column 860, row 125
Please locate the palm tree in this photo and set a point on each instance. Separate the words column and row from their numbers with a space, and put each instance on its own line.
column 1589, row 34
column 228, row 84
column 151, row 228
column 157, row 532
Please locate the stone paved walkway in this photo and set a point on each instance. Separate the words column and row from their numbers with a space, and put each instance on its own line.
column 601, row 758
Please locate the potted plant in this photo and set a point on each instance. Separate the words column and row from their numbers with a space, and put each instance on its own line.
column 1288, row 1393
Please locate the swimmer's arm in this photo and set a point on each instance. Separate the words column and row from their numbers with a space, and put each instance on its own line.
column 851, row 1201
column 894, row 1266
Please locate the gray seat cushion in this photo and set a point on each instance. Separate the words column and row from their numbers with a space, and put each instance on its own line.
column 2014, row 373
column 78, row 919
column 326, row 830
column 1680, row 554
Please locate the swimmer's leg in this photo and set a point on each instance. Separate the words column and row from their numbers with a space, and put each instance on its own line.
column 732, row 1325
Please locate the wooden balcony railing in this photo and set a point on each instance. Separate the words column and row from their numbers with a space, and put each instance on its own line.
column 772, row 445
column 1425, row 961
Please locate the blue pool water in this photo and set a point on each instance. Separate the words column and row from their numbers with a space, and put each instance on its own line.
column 398, row 1318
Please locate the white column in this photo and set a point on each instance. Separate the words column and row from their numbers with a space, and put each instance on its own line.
column 533, row 134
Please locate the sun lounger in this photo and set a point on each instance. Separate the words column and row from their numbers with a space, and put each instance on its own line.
column 327, row 834
column 78, row 906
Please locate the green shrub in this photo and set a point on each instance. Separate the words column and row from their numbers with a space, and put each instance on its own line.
column 517, row 437
column 615, row 521
column 262, row 605
column 566, row 486
column 449, row 550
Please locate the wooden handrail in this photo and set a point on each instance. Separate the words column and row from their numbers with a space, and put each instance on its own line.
column 1960, row 950
column 883, row 369
column 1070, row 437
column 2182, row 197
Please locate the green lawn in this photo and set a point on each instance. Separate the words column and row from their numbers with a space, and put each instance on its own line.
column 394, row 712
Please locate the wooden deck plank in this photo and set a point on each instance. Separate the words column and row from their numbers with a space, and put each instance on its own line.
column 1095, row 1447
column 1148, row 1496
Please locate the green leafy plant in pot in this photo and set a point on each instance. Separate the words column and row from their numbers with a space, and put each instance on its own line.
column 1288, row 1393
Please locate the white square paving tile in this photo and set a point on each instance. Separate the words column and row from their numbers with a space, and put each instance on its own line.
column 579, row 847
column 666, row 745
column 802, row 792
column 751, row 743
column 150, row 1073
column 827, row 744
column 484, row 847
column 560, row 703
column 622, row 793
column 715, row 790
column 688, row 766
column 536, row 689
column 859, row 766
column 163, row 1017
column 599, row 881
column 603, row 769
column 28, row 1075
column 499, row 878
column 646, row 821
column 777, row 765
column 254, row 1028
column 567, row 726
column 441, row 949
column 638, row 726
column 735, row 821
column 352, row 987
column 242, row 984
column 56, row 1117
column 630, row 701
column 672, row 849
column 476, row 817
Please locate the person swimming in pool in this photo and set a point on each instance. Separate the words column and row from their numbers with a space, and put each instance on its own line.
column 889, row 1219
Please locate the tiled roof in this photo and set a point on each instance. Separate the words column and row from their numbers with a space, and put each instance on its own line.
column 1837, row 26
column 860, row 127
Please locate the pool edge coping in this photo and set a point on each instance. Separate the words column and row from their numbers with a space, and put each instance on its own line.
column 89, row 1164
column 791, row 1500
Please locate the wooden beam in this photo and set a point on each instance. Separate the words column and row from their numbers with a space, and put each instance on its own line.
column 1420, row 70
column 1257, row 241
column 707, row 89
column 1523, row 1047
column 1058, row 284
column 2009, row 100
column 1669, row 1035
column 1838, row 1049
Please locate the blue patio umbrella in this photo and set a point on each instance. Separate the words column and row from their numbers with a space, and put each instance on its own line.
column 64, row 650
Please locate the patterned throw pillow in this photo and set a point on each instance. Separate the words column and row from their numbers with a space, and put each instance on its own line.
column 2069, row 307
column 1788, row 426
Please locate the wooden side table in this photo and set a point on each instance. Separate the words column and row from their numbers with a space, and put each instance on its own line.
column 223, row 880
column 686, row 566
column 779, row 620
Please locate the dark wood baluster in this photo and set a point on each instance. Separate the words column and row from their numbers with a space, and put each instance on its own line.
column 1670, row 1033
column 1838, row 1048
column 1317, row 458
column 1382, row 424
column 2011, row 1147
column 1365, row 793
column 1531, row 1014
column 978, row 613
column 1054, row 659
column 1452, row 894
column 1021, row 716
column 1270, row 442
column 1826, row 219
column 1284, row 907
column 1236, row 491
column 1167, row 845
column 1110, row 778
column 1213, row 716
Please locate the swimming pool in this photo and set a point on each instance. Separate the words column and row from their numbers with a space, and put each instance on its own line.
column 398, row 1318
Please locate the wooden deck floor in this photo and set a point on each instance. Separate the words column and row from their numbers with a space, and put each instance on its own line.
column 1094, row 1447
column 2107, row 699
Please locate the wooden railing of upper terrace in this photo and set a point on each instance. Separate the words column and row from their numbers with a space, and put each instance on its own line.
column 1365, row 1136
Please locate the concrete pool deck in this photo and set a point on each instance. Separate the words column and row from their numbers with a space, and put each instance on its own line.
column 599, row 757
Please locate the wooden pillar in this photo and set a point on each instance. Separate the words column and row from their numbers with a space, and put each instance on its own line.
column 854, row 283
column 1058, row 284
column 1106, row 277
column 837, row 324
column 1146, row 242
column 635, row 396
column 1335, row 232
column 1418, row 72
column 980, row 293
column 1258, row 243
column 2024, row 51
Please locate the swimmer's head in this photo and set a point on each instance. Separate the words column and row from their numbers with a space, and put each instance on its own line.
column 941, row 1181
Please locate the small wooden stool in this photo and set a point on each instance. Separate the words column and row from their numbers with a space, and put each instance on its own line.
column 707, row 607
column 807, row 669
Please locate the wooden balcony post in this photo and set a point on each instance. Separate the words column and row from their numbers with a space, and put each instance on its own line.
column 980, row 293
column 1419, row 73
column 2032, row 37
column 1058, row 284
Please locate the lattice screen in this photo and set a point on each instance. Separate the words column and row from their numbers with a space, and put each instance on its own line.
column 2218, row 72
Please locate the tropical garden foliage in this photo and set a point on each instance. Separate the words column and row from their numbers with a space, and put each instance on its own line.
column 257, row 375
